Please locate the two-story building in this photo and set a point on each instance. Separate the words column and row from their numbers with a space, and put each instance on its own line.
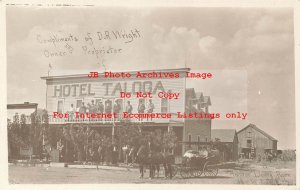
column 70, row 92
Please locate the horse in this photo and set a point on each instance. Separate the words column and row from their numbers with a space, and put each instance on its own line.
column 145, row 156
column 164, row 158
column 142, row 158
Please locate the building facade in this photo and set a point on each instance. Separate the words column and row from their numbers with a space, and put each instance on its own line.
column 70, row 92
column 255, row 142
column 25, row 109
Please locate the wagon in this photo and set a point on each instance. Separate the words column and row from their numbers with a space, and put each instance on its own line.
column 196, row 166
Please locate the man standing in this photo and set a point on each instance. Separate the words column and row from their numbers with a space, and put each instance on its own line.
column 141, row 108
column 117, row 108
column 108, row 108
column 93, row 108
column 128, row 107
column 150, row 108
column 100, row 108
column 82, row 108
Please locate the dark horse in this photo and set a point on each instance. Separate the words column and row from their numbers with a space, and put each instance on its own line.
column 146, row 156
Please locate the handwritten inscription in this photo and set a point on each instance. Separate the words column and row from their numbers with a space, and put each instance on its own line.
column 103, row 50
column 125, row 36
column 94, row 44
column 54, row 39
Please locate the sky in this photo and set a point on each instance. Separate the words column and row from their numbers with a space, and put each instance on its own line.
column 250, row 51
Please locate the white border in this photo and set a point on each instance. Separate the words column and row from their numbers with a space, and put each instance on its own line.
column 138, row 3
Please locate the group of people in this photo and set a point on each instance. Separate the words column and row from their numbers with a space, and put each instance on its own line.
column 142, row 107
column 113, row 155
column 94, row 108
column 109, row 107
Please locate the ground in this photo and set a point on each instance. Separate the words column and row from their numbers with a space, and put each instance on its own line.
column 254, row 174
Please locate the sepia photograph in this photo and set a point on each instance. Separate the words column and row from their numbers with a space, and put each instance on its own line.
column 102, row 94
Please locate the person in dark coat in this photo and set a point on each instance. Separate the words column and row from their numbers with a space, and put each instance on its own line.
column 128, row 107
column 141, row 108
column 100, row 107
column 82, row 108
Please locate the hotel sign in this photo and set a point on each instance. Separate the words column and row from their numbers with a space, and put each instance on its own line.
column 110, row 88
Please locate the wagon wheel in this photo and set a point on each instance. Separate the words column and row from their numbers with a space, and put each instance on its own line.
column 210, row 170
column 192, row 172
column 197, row 172
column 184, row 172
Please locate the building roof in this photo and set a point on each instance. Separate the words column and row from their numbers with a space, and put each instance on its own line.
column 207, row 100
column 203, row 100
column 259, row 130
column 26, row 105
column 225, row 135
column 190, row 92
column 200, row 96
column 100, row 74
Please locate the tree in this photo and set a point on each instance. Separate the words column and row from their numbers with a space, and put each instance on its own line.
column 21, row 134
column 35, row 133
column 155, row 138
column 101, row 140
column 127, row 134
column 14, row 136
column 80, row 139
column 47, row 138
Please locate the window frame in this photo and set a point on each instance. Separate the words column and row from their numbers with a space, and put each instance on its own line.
column 77, row 99
column 63, row 104
column 167, row 105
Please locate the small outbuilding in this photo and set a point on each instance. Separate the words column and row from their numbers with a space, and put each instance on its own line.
column 255, row 142
column 228, row 140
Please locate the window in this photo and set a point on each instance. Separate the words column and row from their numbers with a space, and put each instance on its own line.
column 108, row 106
column 249, row 143
column 60, row 105
column 249, row 134
column 78, row 104
column 150, row 109
column 164, row 105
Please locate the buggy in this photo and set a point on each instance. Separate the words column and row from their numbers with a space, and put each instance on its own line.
column 194, row 165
